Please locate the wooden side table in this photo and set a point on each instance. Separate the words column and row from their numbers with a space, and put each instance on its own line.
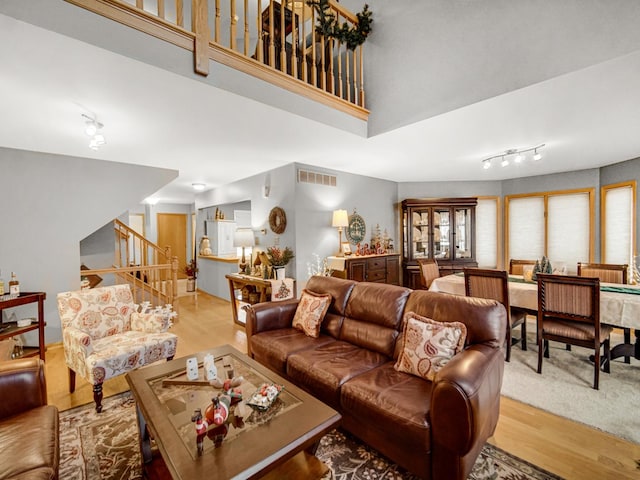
column 260, row 287
column 11, row 329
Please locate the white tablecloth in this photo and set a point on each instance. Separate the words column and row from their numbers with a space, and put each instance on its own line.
column 618, row 309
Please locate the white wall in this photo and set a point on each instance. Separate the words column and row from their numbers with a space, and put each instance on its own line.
column 50, row 203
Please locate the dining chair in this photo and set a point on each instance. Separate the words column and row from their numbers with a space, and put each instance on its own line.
column 516, row 267
column 494, row 284
column 569, row 312
column 429, row 270
column 610, row 273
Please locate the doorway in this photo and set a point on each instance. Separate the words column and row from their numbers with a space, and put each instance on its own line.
column 172, row 232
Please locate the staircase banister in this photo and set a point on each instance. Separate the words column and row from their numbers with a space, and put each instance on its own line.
column 343, row 11
column 137, row 235
column 102, row 271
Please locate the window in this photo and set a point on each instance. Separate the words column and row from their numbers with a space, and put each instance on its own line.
column 618, row 222
column 487, row 232
column 556, row 224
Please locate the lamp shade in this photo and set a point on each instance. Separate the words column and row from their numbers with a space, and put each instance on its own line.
column 243, row 237
column 340, row 218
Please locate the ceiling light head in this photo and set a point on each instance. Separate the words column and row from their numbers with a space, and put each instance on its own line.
column 537, row 155
column 198, row 186
column 518, row 158
column 505, row 161
column 486, row 163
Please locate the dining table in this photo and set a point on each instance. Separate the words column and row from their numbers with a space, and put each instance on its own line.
column 619, row 304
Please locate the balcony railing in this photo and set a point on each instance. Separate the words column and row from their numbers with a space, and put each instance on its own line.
column 272, row 40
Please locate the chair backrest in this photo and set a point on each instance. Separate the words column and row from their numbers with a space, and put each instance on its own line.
column 429, row 270
column 606, row 272
column 516, row 266
column 98, row 312
column 485, row 283
column 569, row 297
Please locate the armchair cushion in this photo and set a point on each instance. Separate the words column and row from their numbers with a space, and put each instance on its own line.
column 149, row 322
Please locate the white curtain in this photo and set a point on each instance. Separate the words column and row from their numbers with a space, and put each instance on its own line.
column 568, row 230
column 487, row 232
column 526, row 228
column 618, row 225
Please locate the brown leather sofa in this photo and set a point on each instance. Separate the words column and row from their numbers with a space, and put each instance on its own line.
column 435, row 430
column 29, row 438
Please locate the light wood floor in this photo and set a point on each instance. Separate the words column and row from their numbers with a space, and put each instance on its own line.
column 565, row 448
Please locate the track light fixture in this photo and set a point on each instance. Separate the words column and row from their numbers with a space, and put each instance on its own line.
column 92, row 128
column 518, row 155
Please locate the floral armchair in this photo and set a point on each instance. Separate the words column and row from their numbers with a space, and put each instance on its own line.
column 104, row 336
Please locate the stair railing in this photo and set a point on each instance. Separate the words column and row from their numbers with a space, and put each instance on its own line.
column 261, row 38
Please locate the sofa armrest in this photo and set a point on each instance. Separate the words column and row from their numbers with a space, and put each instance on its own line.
column 22, row 386
column 465, row 399
column 269, row 316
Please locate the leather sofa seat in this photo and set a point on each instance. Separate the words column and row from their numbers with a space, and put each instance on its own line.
column 324, row 369
column 29, row 429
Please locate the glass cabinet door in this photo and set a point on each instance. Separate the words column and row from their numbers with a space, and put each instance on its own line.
column 441, row 233
column 420, row 221
column 463, row 237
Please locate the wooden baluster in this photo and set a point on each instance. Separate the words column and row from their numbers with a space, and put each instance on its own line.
column 246, row 28
column 201, row 30
column 361, row 48
column 272, row 46
column 260, row 42
column 355, row 78
column 216, row 35
column 294, row 42
column 179, row 13
column 140, row 4
column 314, row 67
column 161, row 9
column 323, row 57
column 233, row 30
column 347, row 63
column 339, row 63
column 331, row 82
column 283, row 49
column 305, row 70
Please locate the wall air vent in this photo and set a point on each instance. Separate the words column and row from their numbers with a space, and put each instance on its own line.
column 306, row 176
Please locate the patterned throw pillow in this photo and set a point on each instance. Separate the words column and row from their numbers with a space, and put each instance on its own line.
column 428, row 345
column 310, row 312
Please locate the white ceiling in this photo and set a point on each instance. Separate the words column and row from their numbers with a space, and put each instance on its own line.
column 587, row 118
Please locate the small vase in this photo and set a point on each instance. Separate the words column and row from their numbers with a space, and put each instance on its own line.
column 280, row 273
column 191, row 284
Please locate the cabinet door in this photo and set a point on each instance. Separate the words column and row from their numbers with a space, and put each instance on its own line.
column 463, row 236
column 442, row 233
column 420, row 221
column 357, row 270
column 393, row 270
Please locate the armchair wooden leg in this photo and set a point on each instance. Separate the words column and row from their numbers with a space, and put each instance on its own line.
column 72, row 381
column 97, row 396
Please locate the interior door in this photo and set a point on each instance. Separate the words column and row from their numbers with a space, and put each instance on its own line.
column 172, row 231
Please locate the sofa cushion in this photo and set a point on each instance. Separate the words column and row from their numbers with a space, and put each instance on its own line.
column 322, row 370
column 30, row 444
column 393, row 402
column 428, row 345
column 273, row 347
column 310, row 312
column 373, row 316
column 340, row 290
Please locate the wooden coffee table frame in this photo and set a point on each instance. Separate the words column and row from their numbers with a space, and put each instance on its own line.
column 252, row 455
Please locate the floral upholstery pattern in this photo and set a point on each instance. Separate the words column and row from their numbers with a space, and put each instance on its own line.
column 104, row 336
column 428, row 345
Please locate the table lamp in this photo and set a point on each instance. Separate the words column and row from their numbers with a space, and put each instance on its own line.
column 340, row 220
column 243, row 237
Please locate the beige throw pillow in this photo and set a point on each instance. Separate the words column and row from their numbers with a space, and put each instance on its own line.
column 310, row 312
column 428, row 345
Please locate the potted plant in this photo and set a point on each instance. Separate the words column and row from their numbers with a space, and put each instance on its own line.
column 328, row 26
column 279, row 258
column 191, row 269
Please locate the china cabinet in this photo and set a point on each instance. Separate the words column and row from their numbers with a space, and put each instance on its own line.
column 442, row 229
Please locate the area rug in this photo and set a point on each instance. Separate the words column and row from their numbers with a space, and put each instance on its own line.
column 565, row 387
column 105, row 446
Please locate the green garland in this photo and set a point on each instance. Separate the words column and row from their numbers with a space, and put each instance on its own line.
column 327, row 26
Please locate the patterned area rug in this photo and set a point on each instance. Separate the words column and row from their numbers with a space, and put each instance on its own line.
column 105, row 446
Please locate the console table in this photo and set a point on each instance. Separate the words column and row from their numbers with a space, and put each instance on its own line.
column 11, row 329
column 260, row 292
column 384, row 268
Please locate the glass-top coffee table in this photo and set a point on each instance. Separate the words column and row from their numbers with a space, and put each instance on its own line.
column 249, row 444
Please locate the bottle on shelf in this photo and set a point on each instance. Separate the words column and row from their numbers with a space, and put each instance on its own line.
column 14, row 285
column 1, row 284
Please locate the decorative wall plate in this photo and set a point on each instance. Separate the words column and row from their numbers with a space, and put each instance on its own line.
column 277, row 220
column 356, row 230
